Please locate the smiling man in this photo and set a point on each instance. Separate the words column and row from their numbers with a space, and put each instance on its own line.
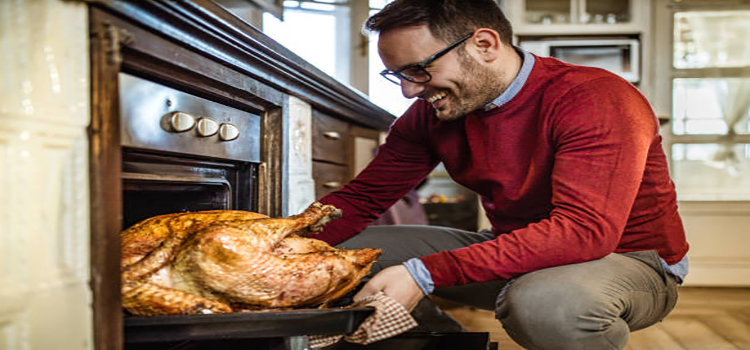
column 586, row 242
column 458, row 88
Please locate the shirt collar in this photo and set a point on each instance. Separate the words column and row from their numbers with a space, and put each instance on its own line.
column 517, row 83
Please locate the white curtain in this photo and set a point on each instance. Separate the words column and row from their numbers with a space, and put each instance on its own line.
column 735, row 97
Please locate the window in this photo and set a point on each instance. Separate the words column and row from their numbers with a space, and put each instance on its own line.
column 710, row 106
column 383, row 92
column 712, row 171
column 322, row 33
column 710, row 131
column 310, row 29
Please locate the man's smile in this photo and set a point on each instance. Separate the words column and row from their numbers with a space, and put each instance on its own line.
column 436, row 97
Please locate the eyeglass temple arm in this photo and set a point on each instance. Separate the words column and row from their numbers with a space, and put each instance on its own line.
column 445, row 50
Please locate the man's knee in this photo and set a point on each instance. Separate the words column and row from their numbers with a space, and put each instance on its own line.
column 539, row 313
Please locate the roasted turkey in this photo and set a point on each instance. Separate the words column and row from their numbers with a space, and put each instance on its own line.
column 227, row 260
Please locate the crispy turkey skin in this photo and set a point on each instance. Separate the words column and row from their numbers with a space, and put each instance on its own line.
column 227, row 260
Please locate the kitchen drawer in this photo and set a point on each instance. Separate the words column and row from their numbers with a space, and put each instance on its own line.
column 329, row 177
column 330, row 138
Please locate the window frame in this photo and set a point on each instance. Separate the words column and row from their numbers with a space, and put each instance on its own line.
column 663, row 96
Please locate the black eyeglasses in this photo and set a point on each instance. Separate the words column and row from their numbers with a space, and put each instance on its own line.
column 416, row 73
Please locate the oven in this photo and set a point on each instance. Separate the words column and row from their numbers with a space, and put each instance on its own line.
column 190, row 110
column 181, row 152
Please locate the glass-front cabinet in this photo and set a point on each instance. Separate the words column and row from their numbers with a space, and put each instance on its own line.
column 530, row 17
column 547, row 11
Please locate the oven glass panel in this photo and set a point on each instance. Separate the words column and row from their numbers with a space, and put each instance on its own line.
column 142, row 200
column 155, row 184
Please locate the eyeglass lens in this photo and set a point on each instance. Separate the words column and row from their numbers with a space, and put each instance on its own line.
column 416, row 74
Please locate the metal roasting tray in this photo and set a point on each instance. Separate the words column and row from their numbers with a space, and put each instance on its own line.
column 243, row 325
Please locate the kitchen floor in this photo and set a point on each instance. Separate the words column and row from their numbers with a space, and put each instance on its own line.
column 704, row 319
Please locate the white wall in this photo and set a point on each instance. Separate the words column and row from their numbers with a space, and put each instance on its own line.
column 300, row 183
column 44, row 202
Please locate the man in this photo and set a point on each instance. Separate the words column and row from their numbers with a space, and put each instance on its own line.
column 586, row 243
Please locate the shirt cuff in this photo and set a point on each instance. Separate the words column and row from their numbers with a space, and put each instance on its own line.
column 421, row 275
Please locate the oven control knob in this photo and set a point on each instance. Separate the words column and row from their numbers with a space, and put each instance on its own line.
column 181, row 121
column 207, row 127
column 228, row 132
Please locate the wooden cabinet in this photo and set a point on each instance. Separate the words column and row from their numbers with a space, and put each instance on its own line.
column 330, row 139
column 329, row 177
column 573, row 17
column 341, row 149
column 331, row 153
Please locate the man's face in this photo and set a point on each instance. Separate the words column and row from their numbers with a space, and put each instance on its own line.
column 460, row 83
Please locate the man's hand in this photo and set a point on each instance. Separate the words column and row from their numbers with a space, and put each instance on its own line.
column 395, row 282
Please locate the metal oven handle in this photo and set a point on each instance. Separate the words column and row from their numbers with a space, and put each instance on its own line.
column 176, row 178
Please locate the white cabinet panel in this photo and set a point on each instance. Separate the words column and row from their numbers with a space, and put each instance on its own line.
column 719, row 239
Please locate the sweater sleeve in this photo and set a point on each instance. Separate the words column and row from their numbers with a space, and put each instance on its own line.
column 601, row 132
column 401, row 163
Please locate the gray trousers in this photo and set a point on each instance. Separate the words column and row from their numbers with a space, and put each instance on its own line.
column 591, row 305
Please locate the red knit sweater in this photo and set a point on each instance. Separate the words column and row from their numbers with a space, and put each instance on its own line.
column 569, row 170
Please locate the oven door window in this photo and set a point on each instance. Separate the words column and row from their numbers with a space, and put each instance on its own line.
column 144, row 199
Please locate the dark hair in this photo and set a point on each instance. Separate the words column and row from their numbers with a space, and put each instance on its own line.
column 448, row 20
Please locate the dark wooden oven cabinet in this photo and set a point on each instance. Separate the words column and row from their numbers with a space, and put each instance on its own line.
column 200, row 48
column 340, row 150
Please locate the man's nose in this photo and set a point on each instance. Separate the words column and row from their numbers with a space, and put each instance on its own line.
column 411, row 90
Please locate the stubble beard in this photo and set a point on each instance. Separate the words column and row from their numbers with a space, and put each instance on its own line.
column 479, row 87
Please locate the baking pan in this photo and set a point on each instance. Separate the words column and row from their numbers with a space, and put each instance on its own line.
column 243, row 325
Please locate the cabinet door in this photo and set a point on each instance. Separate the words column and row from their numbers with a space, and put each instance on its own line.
column 365, row 144
column 547, row 11
column 340, row 151
column 573, row 17
column 329, row 177
column 609, row 12
column 331, row 139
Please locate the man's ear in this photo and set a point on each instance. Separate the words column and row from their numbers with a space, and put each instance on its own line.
column 487, row 43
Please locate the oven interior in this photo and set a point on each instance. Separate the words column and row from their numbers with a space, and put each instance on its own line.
column 155, row 184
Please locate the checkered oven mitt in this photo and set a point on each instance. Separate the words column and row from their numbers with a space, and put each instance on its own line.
column 389, row 319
